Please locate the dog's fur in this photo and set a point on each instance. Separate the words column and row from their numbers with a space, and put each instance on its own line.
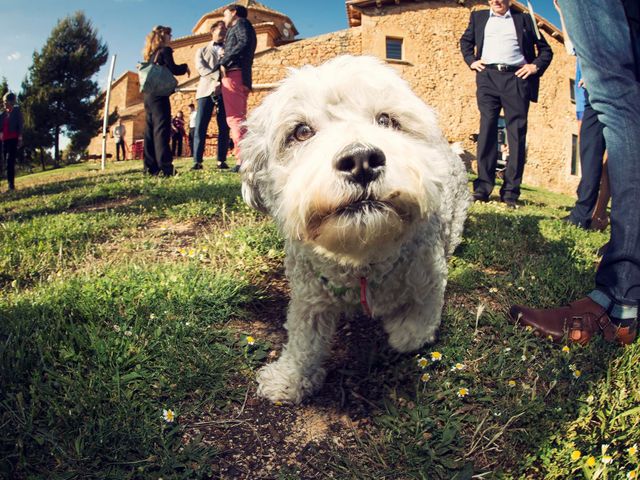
column 396, row 230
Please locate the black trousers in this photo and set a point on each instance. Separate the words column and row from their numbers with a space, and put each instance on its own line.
column 176, row 144
column 495, row 91
column 592, row 148
column 10, row 152
column 157, row 154
column 119, row 146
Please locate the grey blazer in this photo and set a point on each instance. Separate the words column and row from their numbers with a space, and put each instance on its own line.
column 206, row 59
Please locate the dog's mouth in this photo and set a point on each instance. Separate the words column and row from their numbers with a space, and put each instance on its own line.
column 358, row 211
column 361, row 207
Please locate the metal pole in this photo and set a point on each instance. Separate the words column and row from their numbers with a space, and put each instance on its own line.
column 106, row 113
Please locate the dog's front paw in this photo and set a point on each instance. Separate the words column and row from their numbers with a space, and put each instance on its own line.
column 282, row 381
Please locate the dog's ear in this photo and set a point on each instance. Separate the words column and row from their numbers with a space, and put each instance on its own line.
column 254, row 151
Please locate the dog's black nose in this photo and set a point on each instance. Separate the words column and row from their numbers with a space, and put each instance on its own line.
column 360, row 163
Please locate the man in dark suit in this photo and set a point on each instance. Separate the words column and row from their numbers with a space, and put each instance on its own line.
column 500, row 45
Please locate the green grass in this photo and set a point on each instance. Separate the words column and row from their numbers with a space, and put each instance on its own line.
column 124, row 295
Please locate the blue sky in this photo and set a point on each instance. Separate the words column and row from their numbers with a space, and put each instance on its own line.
column 123, row 24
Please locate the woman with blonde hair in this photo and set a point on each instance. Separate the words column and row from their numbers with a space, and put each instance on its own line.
column 157, row 154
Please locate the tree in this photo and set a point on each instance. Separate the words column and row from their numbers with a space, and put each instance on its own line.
column 4, row 87
column 59, row 92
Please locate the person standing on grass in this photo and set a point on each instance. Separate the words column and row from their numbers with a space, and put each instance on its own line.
column 235, row 66
column 177, row 134
column 500, row 46
column 157, row 152
column 11, row 127
column 193, row 113
column 606, row 35
column 209, row 96
column 118, row 133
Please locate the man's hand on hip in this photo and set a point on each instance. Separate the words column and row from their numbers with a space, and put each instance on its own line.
column 527, row 70
column 478, row 66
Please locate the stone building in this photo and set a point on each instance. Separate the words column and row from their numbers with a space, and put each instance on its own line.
column 419, row 38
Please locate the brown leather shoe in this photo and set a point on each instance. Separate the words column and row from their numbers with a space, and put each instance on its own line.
column 579, row 322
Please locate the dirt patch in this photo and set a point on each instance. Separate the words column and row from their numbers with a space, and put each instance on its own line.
column 105, row 205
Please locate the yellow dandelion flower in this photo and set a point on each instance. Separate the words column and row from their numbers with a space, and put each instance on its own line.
column 566, row 349
column 591, row 461
column 632, row 474
column 425, row 377
column 575, row 455
column 250, row 340
column 463, row 392
column 607, row 459
column 423, row 362
column 168, row 415
column 511, row 383
column 633, row 449
column 493, row 290
column 529, row 328
column 277, row 403
column 577, row 373
column 436, row 356
column 457, row 367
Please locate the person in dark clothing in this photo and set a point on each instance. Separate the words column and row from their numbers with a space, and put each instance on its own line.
column 235, row 66
column 500, row 46
column 177, row 134
column 157, row 152
column 11, row 127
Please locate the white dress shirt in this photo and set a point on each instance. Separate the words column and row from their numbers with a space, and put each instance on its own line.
column 500, row 41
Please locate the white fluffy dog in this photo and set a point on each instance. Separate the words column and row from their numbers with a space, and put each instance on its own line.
column 371, row 200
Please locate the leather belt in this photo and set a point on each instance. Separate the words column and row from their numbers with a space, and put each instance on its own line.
column 503, row 67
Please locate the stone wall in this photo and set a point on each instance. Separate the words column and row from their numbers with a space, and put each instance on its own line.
column 433, row 65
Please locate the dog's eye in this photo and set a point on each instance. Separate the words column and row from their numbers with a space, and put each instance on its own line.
column 303, row 132
column 385, row 120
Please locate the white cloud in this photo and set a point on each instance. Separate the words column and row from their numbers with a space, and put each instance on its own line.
column 14, row 56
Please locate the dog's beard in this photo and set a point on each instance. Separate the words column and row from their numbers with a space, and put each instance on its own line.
column 361, row 229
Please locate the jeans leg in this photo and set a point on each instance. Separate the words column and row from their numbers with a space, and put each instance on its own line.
column 592, row 149
column 223, row 131
column 203, row 117
column 603, row 41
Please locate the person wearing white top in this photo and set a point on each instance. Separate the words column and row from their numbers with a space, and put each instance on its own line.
column 117, row 133
column 504, row 48
column 208, row 96
column 193, row 114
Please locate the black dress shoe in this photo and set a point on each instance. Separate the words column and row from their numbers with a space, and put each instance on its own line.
column 236, row 169
column 223, row 166
column 478, row 197
column 196, row 166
